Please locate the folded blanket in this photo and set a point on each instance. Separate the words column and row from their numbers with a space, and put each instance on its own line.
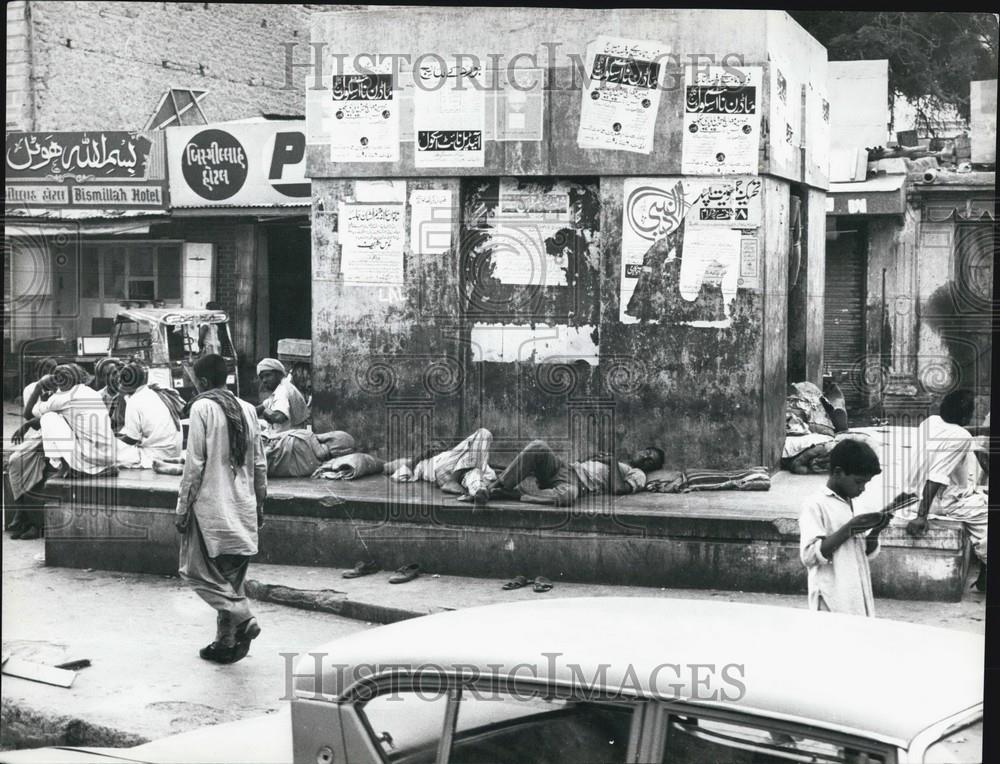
column 815, row 460
column 349, row 467
column 752, row 479
column 796, row 444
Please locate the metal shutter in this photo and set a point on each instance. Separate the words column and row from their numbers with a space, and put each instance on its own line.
column 844, row 315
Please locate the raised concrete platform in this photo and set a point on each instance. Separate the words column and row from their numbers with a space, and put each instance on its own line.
column 738, row 541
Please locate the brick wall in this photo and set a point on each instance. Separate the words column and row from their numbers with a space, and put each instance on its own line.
column 105, row 65
column 17, row 82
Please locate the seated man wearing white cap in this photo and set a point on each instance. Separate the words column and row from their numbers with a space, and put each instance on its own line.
column 284, row 408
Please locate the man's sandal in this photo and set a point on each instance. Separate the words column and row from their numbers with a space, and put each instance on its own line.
column 405, row 573
column 542, row 584
column 517, row 582
column 362, row 569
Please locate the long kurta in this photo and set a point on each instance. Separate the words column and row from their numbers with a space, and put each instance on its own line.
column 224, row 500
column 842, row 584
column 82, row 433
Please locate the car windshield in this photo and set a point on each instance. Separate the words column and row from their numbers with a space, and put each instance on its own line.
column 963, row 745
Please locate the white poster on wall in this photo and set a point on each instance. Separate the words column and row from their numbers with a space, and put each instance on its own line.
column 371, row 243
column 721, row 121
column 711, row 256
column 786, row 113
column 363, row 121
column 818, row 130
column 622, row 95
column 449, row 115
column 430, row 221
column 723, row 202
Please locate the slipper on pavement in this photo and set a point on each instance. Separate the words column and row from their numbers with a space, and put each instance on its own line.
column 405, row 573
column 542, row 584
column 362, row 569
column 517, row 582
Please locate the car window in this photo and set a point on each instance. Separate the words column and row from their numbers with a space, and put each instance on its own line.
column 692, row 740
column 963, row 745
column 498, row 728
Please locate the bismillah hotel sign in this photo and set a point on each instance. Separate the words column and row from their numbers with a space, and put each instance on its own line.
column 100, row 169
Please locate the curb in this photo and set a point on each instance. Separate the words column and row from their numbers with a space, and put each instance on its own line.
column 24, row 727
column 330, row 601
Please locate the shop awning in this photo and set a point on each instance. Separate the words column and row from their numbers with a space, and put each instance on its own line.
column 33, row 228
column 882, row 195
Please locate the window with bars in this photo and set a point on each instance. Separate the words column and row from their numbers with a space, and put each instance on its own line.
column 131, row 271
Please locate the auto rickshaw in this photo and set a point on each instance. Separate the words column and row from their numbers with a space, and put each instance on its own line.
column 170, row 340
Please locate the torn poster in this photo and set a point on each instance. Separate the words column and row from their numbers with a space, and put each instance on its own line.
column 430, row 221
column 519, row 104
column 710, row 256
column 721, row 121
column 449, row 116
column 622, row 98
column 653, row 209
column 371, row 243
column 786, row 114
column 817, row 140
column 365, row 123
column 530, row 241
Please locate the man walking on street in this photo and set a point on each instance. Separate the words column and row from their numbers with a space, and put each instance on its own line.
column 220, row 507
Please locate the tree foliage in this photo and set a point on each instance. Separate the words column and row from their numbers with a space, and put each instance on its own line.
column 932, row 55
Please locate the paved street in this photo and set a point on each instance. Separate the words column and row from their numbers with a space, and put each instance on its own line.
column 142, row 635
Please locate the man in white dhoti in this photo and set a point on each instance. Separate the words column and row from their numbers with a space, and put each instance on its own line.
column 69, row 433
column 942, row 474
column 220, row 506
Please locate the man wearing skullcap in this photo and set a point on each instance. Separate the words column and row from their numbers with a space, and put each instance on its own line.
column 284, row 408
column 152, row 427
column 74, row 435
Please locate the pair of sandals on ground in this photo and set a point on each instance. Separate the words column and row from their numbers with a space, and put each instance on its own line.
column 400, row 575
column 412, row 571
column 538, row 584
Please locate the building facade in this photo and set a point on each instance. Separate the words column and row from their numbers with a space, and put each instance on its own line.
column 81, row 239
column 599, row 265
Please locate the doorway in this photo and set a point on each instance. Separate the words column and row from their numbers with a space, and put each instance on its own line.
column 289, row 252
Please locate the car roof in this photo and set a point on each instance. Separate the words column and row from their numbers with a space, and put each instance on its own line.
column 886, row 680
column 172, row 315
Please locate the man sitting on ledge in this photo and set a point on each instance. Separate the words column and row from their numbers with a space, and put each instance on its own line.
column 283, row 408
column 538, row 476
column 69, row 433
column 152, row 426
column 941, row 474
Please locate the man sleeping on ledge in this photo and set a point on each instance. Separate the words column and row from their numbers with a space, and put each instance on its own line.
column 538, row 476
